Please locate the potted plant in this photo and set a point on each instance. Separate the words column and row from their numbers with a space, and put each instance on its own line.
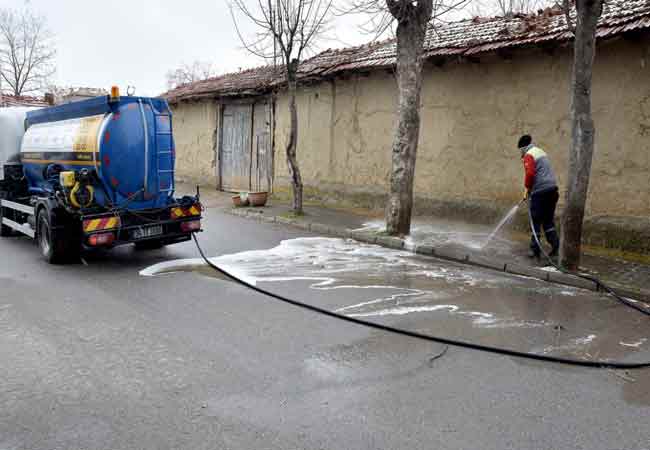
column 240, row 200
column 258, row 198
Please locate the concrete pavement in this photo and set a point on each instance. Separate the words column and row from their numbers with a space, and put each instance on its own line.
column 97, row 357
column 458, row 240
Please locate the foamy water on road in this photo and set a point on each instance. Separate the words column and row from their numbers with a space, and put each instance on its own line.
column 375, row 283
column 442, row 233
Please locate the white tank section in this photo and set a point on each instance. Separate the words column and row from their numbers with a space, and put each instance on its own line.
column 77, row 135
column 12, row 130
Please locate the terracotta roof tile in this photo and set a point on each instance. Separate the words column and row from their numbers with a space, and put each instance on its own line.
column 247, row 82
column 467, row 37
column 11, row 100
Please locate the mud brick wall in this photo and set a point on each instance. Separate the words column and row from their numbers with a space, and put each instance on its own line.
column 194, row 134
column 472, row 116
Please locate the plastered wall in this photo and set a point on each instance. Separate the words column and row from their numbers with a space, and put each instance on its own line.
column 194, row 133
column 472, row 116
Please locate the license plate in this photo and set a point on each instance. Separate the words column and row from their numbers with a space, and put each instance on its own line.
column 146, row 232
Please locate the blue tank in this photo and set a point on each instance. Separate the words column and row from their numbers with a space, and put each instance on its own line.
column 126, row 141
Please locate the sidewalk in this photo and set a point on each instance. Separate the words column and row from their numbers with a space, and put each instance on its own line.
column 447, row 239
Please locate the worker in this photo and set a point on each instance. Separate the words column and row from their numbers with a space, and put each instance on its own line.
column 542, row 194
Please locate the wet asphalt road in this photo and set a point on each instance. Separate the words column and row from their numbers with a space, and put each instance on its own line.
column 98, row 357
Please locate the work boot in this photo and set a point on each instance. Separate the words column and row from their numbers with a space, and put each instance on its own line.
column 554, row 253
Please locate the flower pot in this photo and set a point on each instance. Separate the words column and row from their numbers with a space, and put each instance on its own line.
column 258, row 198
column 237, row 201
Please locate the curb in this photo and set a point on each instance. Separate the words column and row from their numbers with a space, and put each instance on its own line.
column 455, row 255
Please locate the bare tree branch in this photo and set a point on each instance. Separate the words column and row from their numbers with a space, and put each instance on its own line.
column 190, row 73
column 287, row 30
column 27, row 54
column 566, row 6
column 508, row 8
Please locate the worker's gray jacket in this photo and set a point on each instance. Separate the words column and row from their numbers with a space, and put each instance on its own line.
column 539, row 173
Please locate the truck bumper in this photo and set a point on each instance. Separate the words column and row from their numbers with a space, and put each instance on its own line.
column 167, row 226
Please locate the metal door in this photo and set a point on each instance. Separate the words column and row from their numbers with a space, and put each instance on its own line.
column 262, row 156
column 235, row 160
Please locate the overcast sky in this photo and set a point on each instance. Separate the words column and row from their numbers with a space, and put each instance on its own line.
column 135, row 42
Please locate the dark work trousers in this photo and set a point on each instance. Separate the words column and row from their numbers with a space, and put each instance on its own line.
column 542, row 208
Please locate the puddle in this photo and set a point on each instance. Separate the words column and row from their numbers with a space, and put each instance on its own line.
column 438, row 297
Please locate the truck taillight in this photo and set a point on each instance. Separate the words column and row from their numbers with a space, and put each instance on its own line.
column 194, row 225
column 101, row 239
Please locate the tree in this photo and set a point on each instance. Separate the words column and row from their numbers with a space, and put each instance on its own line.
column 285, row 29
column 26, row 51
column 582, row 128
column 508, row 8
column 412, row 20
column 190, row 73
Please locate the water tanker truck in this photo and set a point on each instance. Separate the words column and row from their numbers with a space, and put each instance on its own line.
column 93, row 173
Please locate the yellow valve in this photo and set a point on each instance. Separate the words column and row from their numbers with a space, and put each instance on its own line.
column 67, row 179
column 82, row 196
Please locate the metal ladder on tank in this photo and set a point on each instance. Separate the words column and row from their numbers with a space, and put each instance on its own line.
column 167, row 153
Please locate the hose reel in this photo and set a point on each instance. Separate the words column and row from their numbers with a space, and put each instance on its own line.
column 81, row 192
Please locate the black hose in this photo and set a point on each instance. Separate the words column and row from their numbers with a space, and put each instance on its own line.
column 421, row 336
column 599, row 284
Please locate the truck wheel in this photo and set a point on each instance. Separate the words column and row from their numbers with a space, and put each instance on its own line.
column 149, row 245
column 53, row 248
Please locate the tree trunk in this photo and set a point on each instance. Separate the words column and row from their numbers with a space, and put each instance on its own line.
column 582, row 134
column 411, row 31
column 292, row 143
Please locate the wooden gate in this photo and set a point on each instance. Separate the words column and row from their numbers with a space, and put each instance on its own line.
column 235, row 158
column 262, row 168
column 246, row 156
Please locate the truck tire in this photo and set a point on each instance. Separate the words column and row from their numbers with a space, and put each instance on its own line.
column 56, row 248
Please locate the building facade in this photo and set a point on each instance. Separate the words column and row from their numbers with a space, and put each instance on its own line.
column 476, row 103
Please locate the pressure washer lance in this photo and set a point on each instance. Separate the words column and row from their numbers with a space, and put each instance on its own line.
column 503, row 222
column 600, row 286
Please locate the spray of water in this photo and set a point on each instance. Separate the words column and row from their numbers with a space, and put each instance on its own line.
column 506, row 219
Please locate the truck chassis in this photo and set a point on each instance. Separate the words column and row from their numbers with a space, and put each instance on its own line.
column 62, row 234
